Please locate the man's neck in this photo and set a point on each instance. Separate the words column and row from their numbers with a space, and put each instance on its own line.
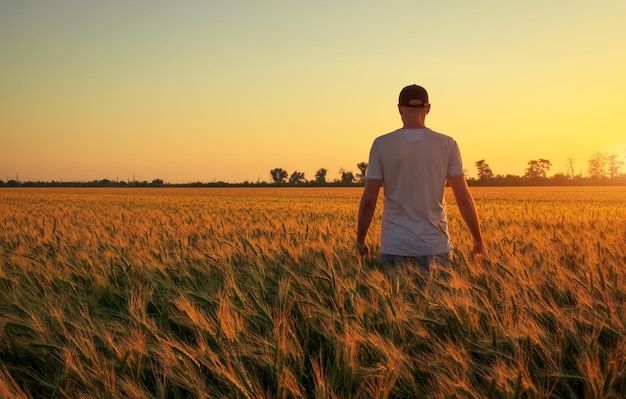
column 413, row 125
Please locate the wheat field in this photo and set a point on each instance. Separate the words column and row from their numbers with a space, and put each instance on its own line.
column 257, row 293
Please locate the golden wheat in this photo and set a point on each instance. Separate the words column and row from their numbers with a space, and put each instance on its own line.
column 252, row 293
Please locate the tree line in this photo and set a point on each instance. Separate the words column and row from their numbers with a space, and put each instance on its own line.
column 281, row 176
column 602, row 169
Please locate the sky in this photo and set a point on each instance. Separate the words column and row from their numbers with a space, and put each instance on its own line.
column 203, row 91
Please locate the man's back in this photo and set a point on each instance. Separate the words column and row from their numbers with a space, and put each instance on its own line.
column 413, row 165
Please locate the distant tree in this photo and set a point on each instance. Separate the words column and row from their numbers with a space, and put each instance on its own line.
column 362, row 171
column 484, row 171
column 596, row 165
column 297, row 178
column 614, row 164
column 570, row 166
column 545, row 166
column 320, row 176
column 346, row 177
column 537, row 169
column 157, row 182
column 279, row 175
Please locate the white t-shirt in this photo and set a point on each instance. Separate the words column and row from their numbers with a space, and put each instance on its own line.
column 413, row 165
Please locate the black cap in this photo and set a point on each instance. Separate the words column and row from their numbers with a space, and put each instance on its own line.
column 413, row 96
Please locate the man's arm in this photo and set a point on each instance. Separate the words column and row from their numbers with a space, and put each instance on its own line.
column 366, row 213
column 466, row 205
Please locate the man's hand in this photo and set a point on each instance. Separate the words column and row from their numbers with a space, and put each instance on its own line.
column 466, row 205
column 479, row 248
column 362, row 249
column 366, row 212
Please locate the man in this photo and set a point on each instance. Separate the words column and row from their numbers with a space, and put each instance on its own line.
column 414, row 163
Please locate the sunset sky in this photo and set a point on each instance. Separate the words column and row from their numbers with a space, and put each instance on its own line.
column 214, row 90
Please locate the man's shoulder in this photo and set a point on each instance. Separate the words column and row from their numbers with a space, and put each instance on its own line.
column 396, row 134
column 441, row 135
column 388, row 135
column 385, row 139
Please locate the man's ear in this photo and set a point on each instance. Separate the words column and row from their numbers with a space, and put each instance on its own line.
column 400, row 109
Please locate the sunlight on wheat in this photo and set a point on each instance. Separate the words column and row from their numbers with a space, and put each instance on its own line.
column 257, row 293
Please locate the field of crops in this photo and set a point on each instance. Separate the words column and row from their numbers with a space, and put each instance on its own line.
column 257, row 293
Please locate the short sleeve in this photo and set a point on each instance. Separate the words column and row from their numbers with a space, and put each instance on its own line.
column 374, row 166
column 455, row 163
